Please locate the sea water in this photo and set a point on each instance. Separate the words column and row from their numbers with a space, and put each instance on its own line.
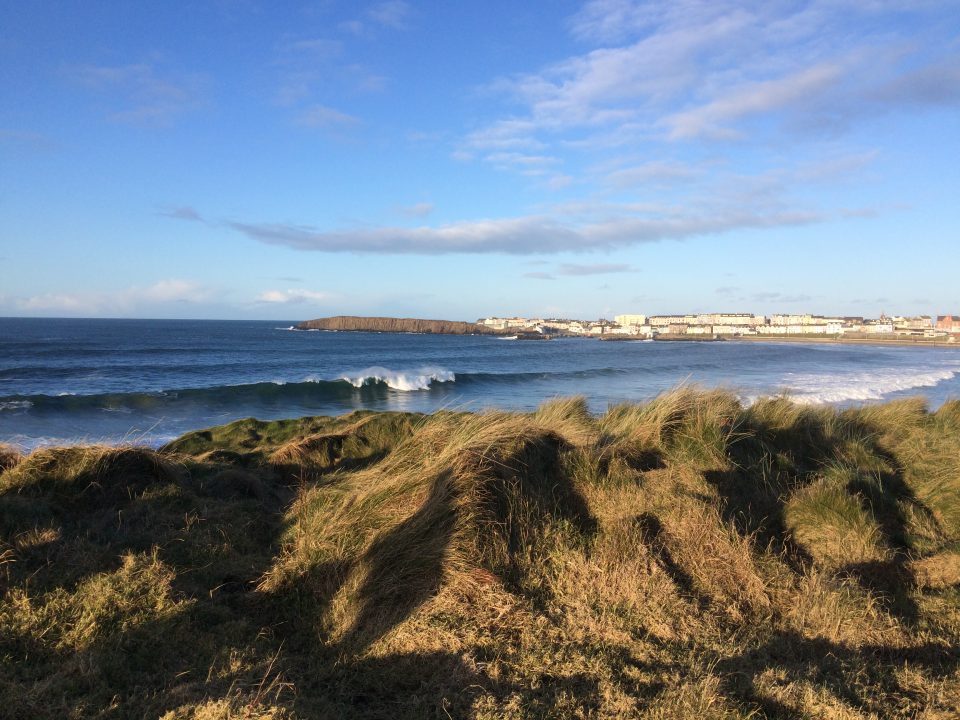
column 148, row 381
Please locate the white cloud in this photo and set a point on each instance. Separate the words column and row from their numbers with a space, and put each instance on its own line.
column 57, row 301
column 691, row 70
column 611, row 20
column 533, row 234
column 166, row 291
column 294, row 296
column 751, row 99
column 140, row 93
column 837, row 166
column 594, row 269
column 510, row 134
column 392, row 13
column 651, row 173
column 313, row 69
column 321, row 116
column 530, row 165
column 420, row 209
column 163, row 292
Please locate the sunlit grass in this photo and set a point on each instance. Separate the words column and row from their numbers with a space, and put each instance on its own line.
column 684, row 557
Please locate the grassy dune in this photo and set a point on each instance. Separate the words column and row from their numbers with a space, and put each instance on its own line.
column 687, row 557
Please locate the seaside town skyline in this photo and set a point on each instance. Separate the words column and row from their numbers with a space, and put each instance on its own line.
column 739, row 324
column 396, row 157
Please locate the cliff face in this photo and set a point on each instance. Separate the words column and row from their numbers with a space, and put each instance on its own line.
column 397, row 325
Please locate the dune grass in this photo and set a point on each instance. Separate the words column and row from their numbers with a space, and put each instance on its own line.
column 684, row 557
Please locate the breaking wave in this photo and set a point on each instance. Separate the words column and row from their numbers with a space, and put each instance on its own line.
column 375, row 384
column 405, row 381
column 818, row 389
column 367, row 384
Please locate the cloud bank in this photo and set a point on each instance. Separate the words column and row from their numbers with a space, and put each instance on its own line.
column 295, row 296
column 169, row 292
column 535, row 234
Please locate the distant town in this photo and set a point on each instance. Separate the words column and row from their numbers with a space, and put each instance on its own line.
column 944, row 328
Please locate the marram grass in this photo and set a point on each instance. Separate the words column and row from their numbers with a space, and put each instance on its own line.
column 685, row 557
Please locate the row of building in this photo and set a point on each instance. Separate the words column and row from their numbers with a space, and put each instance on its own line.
column 738, row 324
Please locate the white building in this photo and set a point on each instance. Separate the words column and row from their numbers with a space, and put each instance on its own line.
column 723, row 329
column 919, row 322
column 731, row 319
column 626, row 320
column 800, row 329
column 666, row 320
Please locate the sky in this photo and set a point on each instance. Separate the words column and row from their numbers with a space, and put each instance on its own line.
column 245, row 159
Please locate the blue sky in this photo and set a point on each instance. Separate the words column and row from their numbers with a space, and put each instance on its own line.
column 231, row 159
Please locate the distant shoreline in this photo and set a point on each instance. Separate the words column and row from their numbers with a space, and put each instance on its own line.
column 352, row 323
column 900, row 342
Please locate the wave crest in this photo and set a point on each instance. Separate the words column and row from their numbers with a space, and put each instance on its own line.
column 402, row 380
column 819, row 389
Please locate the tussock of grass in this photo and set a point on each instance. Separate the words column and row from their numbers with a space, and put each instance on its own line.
column 9, row 457
column 324, row 442
column 832, row 524
column 686, row 557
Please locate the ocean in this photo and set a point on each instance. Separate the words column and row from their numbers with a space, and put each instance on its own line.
column 149, row 381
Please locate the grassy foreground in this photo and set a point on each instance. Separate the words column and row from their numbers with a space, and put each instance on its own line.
column 687, row 557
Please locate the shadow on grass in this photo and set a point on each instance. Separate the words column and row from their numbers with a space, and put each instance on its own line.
column 653, row 535
column 405, row 566
column 770, row 464
column 836, row 667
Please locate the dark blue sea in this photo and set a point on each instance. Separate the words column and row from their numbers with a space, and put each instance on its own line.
column 148, row 381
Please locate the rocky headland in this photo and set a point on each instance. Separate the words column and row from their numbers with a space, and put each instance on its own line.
column 396, row 325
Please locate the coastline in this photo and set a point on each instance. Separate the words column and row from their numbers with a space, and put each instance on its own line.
column 896, row 342
column 418, row 326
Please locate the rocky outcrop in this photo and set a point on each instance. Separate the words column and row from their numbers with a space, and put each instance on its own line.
column 396, row 325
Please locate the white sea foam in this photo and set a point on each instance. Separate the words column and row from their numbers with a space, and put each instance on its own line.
column 874, row 385
column 28, row 443
column 16, row 405
column 403, row 380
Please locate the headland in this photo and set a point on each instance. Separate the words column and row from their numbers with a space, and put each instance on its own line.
column 352, row 323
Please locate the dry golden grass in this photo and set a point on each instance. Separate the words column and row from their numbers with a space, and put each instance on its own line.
column 685, row 557
column 9, row 457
